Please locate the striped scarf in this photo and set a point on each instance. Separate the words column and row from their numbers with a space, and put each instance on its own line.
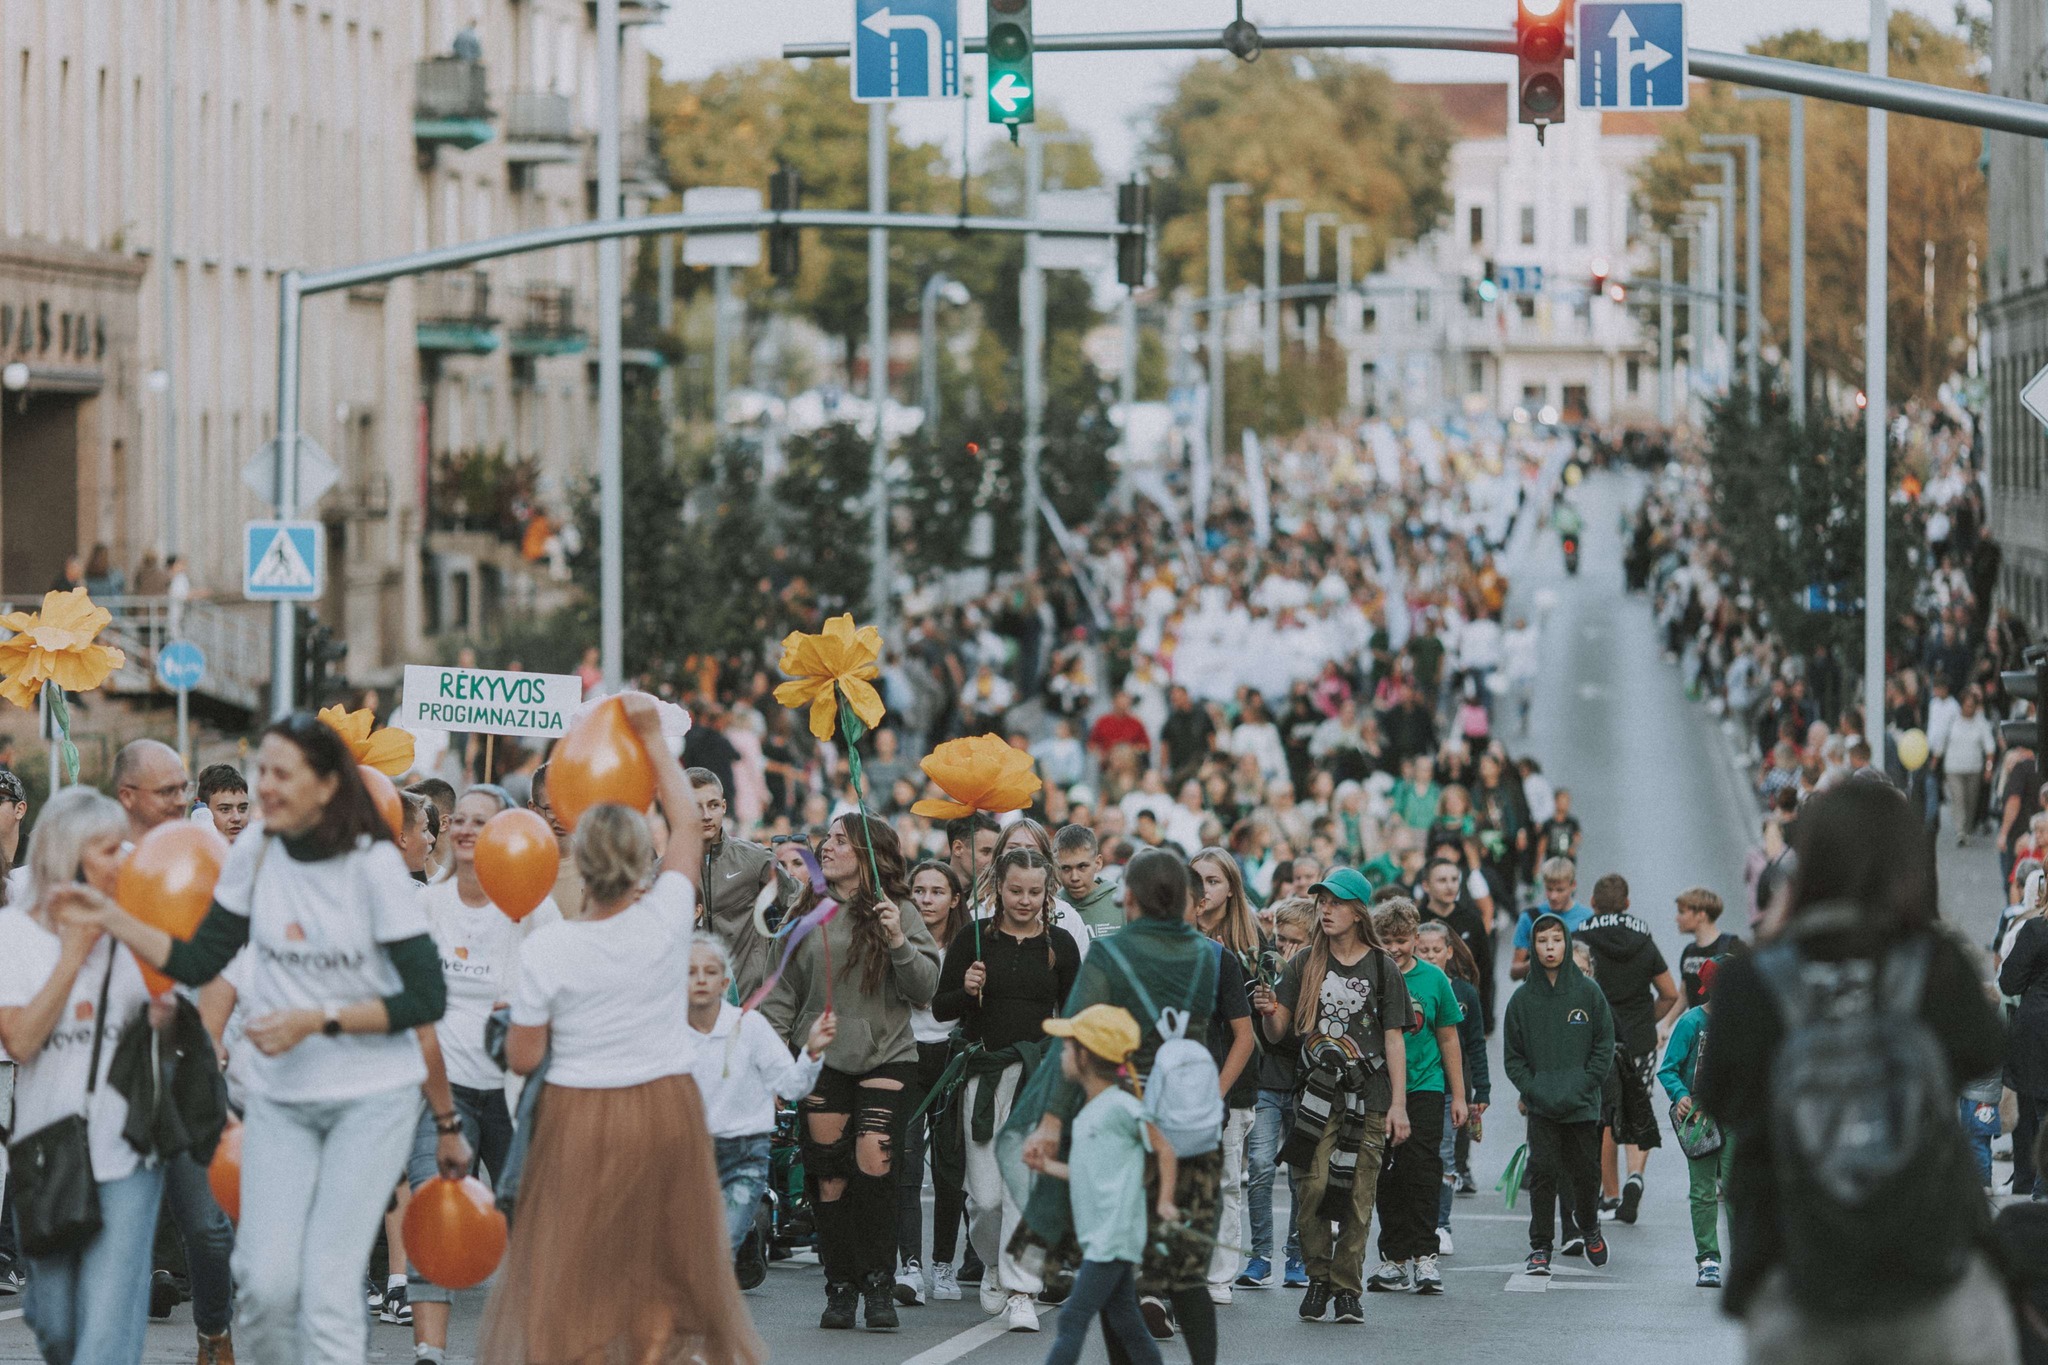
column 1324, row 1095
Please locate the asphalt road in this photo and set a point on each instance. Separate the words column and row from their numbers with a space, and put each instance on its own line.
column 1661, row 804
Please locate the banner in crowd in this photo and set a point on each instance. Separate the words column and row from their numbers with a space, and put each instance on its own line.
column 488, row 701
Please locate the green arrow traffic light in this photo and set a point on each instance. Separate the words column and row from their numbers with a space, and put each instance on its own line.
column 1011, row 93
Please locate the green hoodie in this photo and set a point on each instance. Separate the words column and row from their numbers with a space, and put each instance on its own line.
column 1101, row 909
column 1559, row 1041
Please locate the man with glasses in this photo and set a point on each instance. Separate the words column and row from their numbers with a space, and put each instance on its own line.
column 735, row 873
column 151, row 784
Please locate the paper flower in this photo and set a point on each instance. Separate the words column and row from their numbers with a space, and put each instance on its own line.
column 981, row 772
column 824, row 667
column 56, row 644
column 389, row 751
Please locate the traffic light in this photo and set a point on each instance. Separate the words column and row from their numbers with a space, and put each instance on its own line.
column 1540, row 30
column 1010, row 86
column 1132, row 210
column 785, row 194
column 2027, row 684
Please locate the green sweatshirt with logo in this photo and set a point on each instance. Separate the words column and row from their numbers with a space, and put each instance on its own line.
column 1100, row 908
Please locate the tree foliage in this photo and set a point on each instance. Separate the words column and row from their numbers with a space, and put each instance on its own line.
column 1938, row 198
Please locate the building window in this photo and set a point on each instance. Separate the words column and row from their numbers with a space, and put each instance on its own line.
column 1575, row 405
column 1421, row 308
column 1369, row 320
column 1582, row 225
column 1525, row 304
column 1528, row 225
column 1475, row 375
column 1476, row 216
column 1635, row 377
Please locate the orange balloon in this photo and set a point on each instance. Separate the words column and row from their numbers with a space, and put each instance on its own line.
column 385, row 795
column 454, row 1232
column 517, row 860
column 168, row 882
column 224, row 1174
column 599, row 761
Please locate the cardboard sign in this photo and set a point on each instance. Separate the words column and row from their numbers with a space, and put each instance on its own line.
column 488, row 702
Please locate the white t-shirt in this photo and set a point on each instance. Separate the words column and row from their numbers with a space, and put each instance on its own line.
column 479, row 949
column 52, row 1086
column 614, row 992
column 741, row 1069
column 317, row 932
column 234, row 1034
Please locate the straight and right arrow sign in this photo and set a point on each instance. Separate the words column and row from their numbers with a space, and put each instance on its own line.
column 1632, row 55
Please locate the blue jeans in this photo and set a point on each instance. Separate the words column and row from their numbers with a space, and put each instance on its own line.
column 743, row 1177
column 487, row 1128
column 92, row 1306
column 1979, row 1133
column 209, row 1243
column 1272, row 1120
column 1449, row 1152
column 1108, row 1291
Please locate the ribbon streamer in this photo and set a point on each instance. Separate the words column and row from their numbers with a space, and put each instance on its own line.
column 819, row 916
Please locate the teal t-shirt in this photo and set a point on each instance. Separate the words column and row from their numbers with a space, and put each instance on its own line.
column 1434, row 1006
column 1107, row 1177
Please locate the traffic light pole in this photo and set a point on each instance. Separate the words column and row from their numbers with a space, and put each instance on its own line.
column 1664, row 411
column 1876, row 417
column 878, row 367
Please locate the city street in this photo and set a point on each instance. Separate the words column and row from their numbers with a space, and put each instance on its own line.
column 1661, row 804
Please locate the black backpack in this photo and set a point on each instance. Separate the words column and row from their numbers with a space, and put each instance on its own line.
column 1878, row 1200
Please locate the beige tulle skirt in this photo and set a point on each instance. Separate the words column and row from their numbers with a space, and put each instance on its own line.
column 619, row 1252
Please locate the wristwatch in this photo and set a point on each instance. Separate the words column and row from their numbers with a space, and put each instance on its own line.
column 331, row 1021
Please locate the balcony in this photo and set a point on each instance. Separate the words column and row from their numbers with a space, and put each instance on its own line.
column 540, row 126
column 549, row 326
column 452, row 313
column 451, row 105
column 633, row 12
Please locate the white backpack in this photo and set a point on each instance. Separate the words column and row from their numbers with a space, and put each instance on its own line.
column 1183, row 1097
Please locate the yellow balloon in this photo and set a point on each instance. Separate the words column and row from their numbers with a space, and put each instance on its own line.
column 1913, row 750
column 1572, row 475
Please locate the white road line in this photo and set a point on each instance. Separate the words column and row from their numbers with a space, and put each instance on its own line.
column 10, row 1313
column 973, row 1339
column 1528, row 1284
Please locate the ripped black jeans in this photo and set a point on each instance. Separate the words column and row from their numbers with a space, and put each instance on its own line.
column 851, row 1128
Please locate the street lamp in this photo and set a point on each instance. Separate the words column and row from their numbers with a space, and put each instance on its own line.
column 1271, row 239
column 1031, row 295
column 1346, row 234
column 939, row 286
column 1312, row 262
column 1796, row 249
column 1217, row 194
column 1725, row 192
column 1752, row 232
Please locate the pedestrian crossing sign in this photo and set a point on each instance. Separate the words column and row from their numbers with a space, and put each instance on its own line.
column 282, row 561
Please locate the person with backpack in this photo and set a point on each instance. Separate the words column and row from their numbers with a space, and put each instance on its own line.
column 1839, row 1048
column 1632, row 974
column 1172, row 980
column 1345, row 1001
column 1558, row 1049
column 1707, row 1149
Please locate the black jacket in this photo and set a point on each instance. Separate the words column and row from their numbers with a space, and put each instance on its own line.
column 177, row 1098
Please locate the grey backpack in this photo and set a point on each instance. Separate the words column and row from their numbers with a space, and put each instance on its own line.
column 1183, row 1095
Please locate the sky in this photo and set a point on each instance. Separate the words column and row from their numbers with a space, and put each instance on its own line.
column 1108, row 95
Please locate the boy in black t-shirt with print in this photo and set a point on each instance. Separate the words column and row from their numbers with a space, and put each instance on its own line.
column 1699, row 919
column 1559, row 835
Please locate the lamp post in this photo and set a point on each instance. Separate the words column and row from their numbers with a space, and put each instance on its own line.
column 1217, row 194
column 1312, row 267
column 1031, row 295
column 1751, row 148
column 611, row 558
column 878, row 367
column 1665, row 414
column 1876, row 204
column 938, row 286
column 1724, row 193
column 1712, row 213
column 1270, row 237
column 1796, row 249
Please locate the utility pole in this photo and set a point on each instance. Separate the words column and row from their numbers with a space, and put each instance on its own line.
column 167, row 290
column 1724, row 194
column 1217, row 194
column 1751, row 147
column 1031, row 296
column 721, row 343
column 1665, row 415
column 611, row 515
column 878, row 368
column 1270, row 237
column 1876, row 205
column 1312, row 268
column 665, row 318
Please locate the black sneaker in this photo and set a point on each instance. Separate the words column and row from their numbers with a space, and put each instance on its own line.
column 1466, row 1184
column 841, row 1299
column 1574, row 1245
column 751, row 1266
column 1349, row 1309
column 878, row 1297
column 1538, row 1262
column 163, row 1294
column 1316, row 1302
column 1609, row 1207
column 1158, row 1317
column 1596, row 1250
column 1631, row 1199
column 396, row 1309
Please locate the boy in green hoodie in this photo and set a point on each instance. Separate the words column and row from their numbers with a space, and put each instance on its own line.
column 1709, row 1173
column 1077, row 858
column 1558, row 1040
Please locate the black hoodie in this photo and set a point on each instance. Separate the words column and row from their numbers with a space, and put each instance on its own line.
column 1625, row 961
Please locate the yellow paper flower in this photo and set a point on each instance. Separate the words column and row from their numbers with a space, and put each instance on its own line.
column 841, row 660
column 389, row 750
column 981, row 772
column 56, row 644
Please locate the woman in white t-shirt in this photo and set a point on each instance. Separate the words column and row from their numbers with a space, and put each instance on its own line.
column 67, row 992
column 608, row 1258
column 479, row 948
column 341, row 971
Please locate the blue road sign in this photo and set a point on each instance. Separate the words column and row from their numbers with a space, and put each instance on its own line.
column 283, row 561
column 1632, row 56
column 181, row 665
column 906, row 50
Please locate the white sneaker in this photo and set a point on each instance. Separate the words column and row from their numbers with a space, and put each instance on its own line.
column 1219, row 1294
column 1427, row 1280
column 993, row 1299
column 1390, row 1278
column 1022, row 1313
column 944, row 1284
column 910, row 1285
column 1443, row 1241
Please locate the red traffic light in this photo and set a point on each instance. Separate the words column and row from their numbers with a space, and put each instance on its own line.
column 1541, row 27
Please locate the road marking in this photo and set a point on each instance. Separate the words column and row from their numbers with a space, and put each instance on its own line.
column 973, row 1339
column 10, row 1313
column 1528, row 1284
column 1593, row 692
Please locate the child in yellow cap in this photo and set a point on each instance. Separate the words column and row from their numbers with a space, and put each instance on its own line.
column 1105, row 1172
